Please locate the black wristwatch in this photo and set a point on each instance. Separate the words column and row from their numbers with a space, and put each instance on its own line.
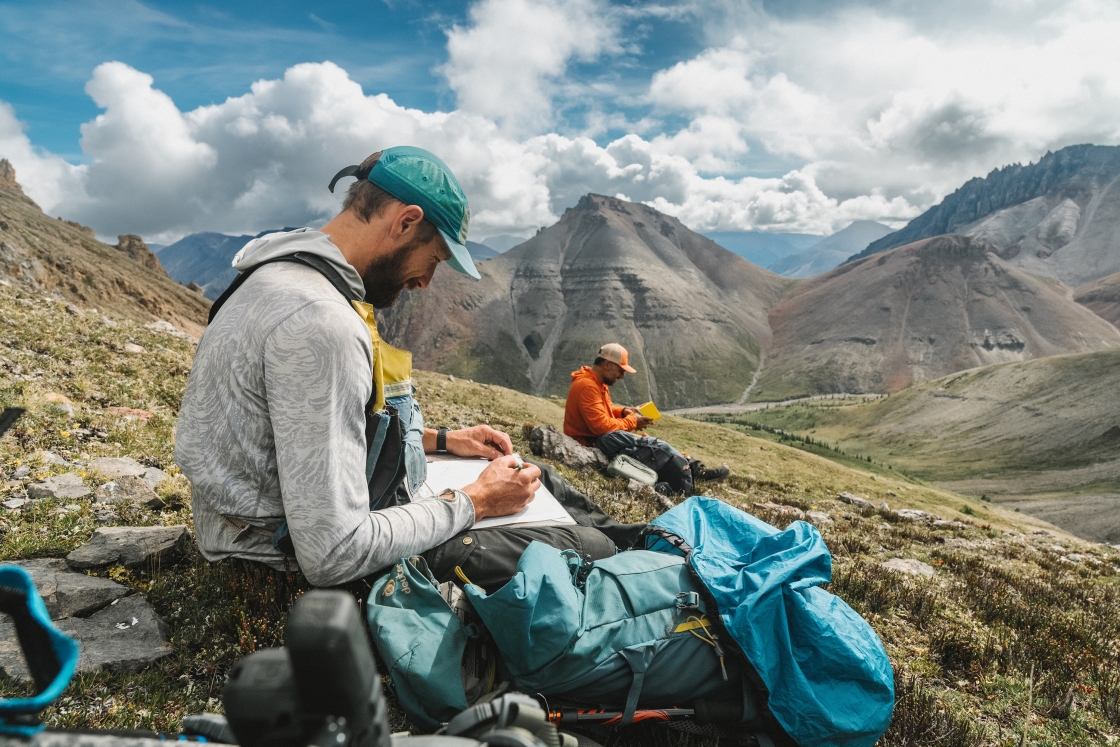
column 441, row 440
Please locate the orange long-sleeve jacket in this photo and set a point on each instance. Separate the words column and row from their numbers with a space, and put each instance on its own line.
column 589, row 412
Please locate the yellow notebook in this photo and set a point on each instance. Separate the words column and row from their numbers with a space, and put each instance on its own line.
column 650, row 411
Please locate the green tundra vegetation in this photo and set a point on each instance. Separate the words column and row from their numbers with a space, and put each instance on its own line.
column 1007, row 593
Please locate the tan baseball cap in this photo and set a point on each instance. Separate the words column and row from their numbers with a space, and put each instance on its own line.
column 615, row 353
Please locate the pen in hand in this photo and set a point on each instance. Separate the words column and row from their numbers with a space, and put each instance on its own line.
column 520, row 464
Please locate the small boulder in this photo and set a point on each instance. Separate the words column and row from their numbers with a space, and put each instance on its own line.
column 67, row 487
column 910, row 567
column 66, row 592
column 115, row 467
column 786, row 512
column 820, row 518
column 133, row 349
column 49, row 457
column 14, row 503
column 21, row 472
column 167, row 328
column 128, row 488
column 130, row 546
column 915, row 515
column 854, row 500
column 545, row 441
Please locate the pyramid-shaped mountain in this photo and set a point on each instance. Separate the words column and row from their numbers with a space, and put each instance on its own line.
column 692, row 314
column 925, row 310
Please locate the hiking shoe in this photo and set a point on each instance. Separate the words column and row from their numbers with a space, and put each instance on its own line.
column 701, row 473
column 663, row 488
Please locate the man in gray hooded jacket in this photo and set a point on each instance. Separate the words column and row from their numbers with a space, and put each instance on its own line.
column 272, row 430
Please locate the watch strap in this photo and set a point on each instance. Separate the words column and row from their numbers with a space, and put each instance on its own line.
column 441, row 440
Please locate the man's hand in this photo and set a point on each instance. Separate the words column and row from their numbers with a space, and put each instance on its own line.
column 643, row 422
column 502, row 490
column 480, row 440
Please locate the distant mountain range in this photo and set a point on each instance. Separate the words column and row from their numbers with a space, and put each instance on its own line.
column 1058, row 217
column 763, row 249
column 204, row 259
column 830, row 251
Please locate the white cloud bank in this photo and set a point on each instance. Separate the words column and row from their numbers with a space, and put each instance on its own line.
column 872, row 116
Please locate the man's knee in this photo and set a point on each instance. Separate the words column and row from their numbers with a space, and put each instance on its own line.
column 614, row 442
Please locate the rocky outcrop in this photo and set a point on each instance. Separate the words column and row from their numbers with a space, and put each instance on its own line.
column 546, row 441
column 115, row 631
column 51, row 256
column 134, row 247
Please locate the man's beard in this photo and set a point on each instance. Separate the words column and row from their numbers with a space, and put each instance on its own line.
column 385, row 279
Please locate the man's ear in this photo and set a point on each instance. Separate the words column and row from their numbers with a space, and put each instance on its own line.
column 406, row 221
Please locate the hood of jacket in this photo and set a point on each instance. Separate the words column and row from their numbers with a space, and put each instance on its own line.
column 586, row 373
column 306, row 240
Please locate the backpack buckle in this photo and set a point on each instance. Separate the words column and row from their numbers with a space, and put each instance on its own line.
column 688, row 600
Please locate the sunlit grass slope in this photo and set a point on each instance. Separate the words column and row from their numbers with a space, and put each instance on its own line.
column 962, row 642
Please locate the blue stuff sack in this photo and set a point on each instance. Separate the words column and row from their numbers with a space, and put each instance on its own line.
column 823, row 670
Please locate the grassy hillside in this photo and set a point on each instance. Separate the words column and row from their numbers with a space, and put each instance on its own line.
column 1041, row 435
column 1008, row 592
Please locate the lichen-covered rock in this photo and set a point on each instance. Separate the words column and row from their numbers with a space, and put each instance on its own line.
column 127, row 635
column 67, row 487
column 854, row 500
column 66, row 592
column 116, row 467
column 545, row 441
column 130, row 546
column 128, row 488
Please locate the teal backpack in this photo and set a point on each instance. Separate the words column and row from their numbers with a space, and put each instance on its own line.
column 722, row 613
column 588, row 632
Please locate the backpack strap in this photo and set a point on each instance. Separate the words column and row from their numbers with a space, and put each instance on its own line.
column 317, row 263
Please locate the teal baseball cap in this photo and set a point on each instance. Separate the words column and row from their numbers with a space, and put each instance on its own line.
column 417, row 177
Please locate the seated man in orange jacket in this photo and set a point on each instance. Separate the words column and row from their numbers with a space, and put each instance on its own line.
column 592, row 419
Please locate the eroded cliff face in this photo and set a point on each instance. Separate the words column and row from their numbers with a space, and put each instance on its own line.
column 1102, row 297
column 916, row 313
column 1059, row 217
column 62, row 258
column 692, row 314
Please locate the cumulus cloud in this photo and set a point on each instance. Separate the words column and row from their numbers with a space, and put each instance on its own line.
column 787, row 121
column 506, row 64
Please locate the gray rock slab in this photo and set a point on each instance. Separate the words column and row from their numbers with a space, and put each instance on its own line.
column 67, row 592
column 130, row 546
column 67, row 487
column 915, row 515
column 126, row 636
column 115, row 467
column 126, row 488
column 819, row 517
column 854, row 500
column 21, row 472
column 545, row 441
column 910, row 567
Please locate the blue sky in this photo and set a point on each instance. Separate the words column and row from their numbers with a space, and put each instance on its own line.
column 164, row 118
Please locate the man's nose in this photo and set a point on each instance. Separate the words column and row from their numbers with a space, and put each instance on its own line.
column 425, row 280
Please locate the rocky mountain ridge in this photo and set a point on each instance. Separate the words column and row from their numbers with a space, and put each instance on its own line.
column 1058, row 217
column 918, row 312
column 63, row 259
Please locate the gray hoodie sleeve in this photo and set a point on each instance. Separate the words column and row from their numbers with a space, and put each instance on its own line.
column 317, row 378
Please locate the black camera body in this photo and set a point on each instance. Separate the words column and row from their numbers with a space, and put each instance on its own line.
column 321, row 689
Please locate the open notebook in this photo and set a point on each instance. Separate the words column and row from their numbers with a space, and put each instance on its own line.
column 457, row 473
